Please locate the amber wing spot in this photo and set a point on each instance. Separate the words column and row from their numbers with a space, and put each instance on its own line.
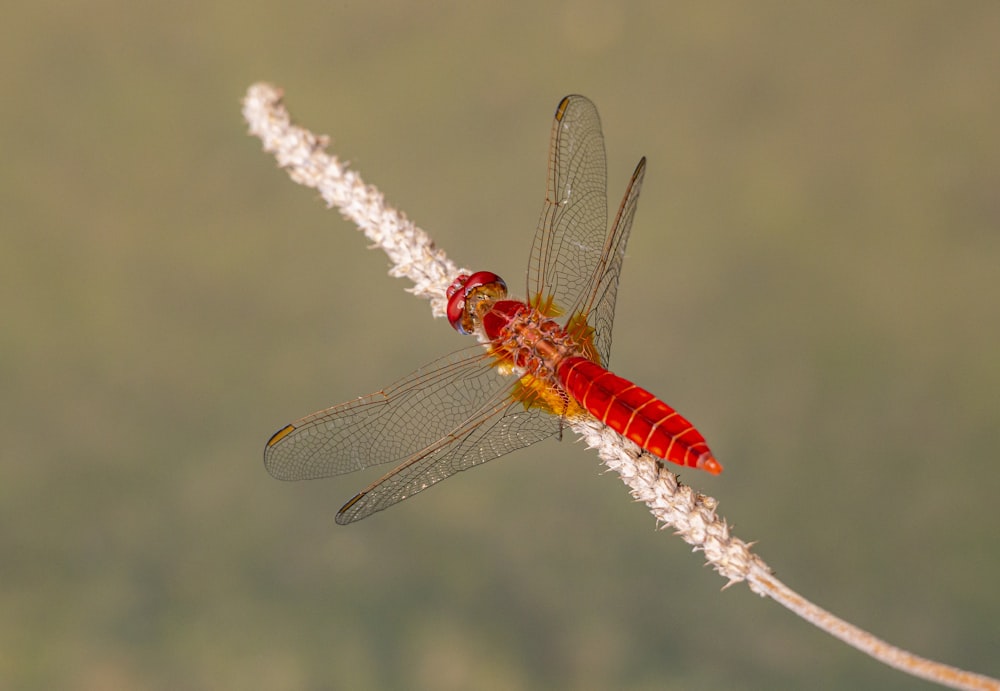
column 546, row 306
column 582, row 334
column 533, row 392
column 280, row 434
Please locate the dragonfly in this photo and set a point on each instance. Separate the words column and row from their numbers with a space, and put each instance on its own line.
column 544, row 363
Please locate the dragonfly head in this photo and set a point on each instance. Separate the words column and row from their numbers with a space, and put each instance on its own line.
column 470, row 296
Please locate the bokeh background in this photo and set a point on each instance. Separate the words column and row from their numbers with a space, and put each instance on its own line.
column 812, row 278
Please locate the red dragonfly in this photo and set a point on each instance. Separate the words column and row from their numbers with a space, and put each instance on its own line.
column 544, row 364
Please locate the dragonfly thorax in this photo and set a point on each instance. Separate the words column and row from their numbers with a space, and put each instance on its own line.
column 471, row 296
column 528, row 339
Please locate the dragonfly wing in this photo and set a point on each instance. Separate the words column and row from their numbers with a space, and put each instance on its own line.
column 570, row 238
column 598, row 300
column 503, row 426
column 575, row 259
column 389, row 425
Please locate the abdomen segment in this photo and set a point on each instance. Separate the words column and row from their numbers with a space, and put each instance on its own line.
column 636, row 414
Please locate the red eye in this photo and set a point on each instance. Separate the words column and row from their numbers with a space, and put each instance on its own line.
column 460, row 289
column 456, row 300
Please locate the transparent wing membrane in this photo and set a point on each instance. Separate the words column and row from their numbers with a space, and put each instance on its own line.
column 574, row 219
column 451, row 415
column 574, row 260
column 598, row 299
column 493, row 434
column 389, row 425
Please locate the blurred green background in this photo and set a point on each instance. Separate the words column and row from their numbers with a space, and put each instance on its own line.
column 812, row 278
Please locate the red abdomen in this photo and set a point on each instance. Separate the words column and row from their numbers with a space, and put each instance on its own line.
column 636, row 414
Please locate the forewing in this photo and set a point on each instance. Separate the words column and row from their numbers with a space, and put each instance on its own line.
column 573, row 225
column 574, row 258
column 389, row 425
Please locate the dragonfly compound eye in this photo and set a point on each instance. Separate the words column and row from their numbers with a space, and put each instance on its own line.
column 465, row 295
